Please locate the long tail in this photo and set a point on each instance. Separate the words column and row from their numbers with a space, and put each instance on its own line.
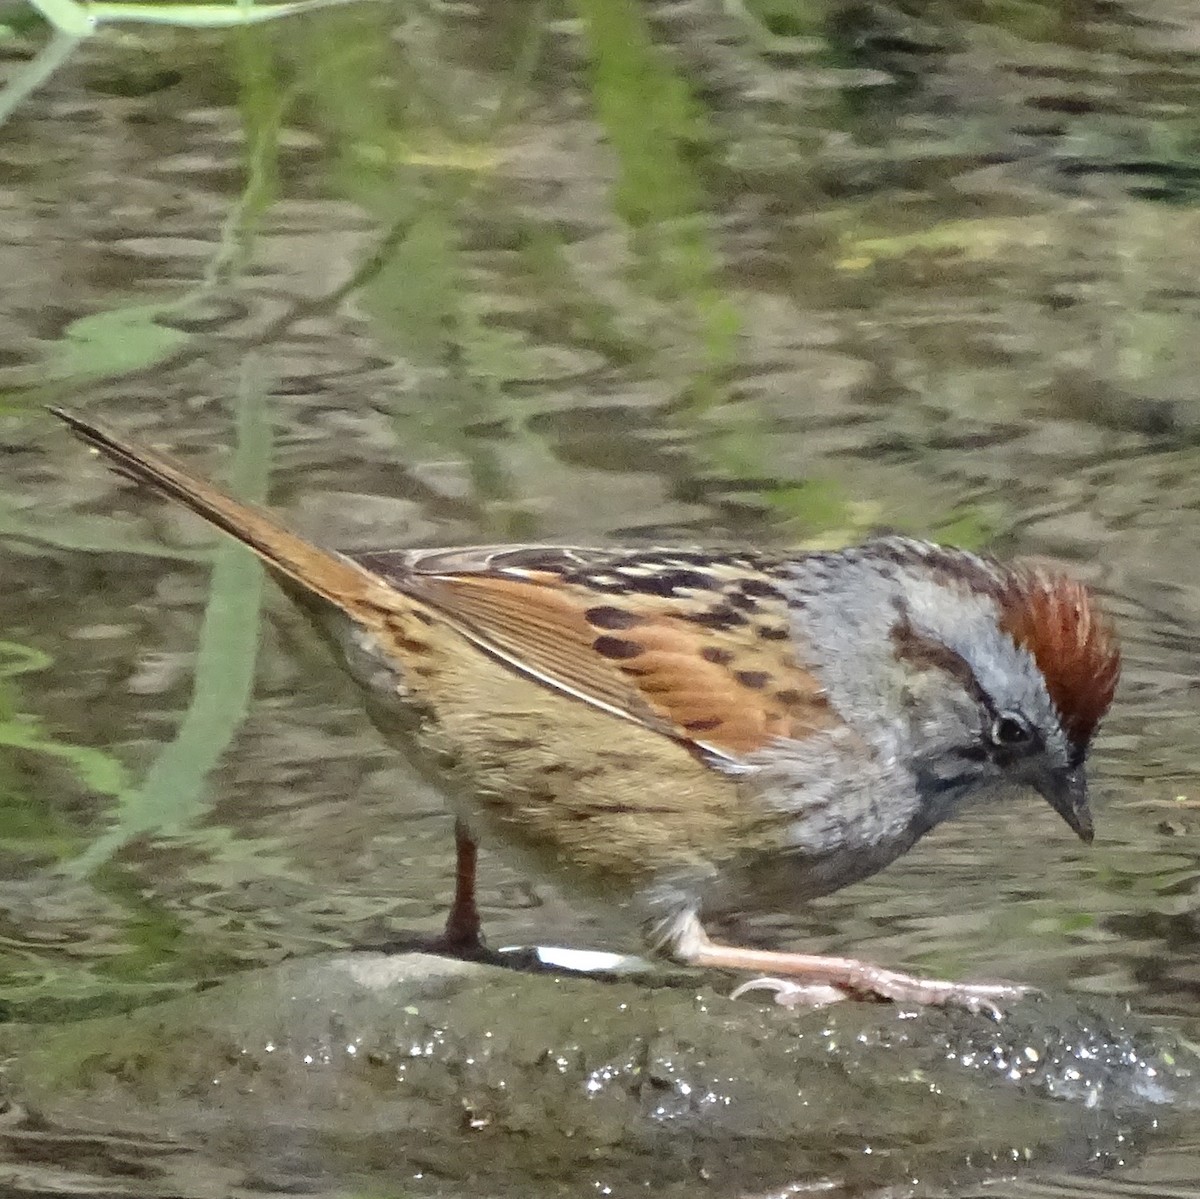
column 321, row 572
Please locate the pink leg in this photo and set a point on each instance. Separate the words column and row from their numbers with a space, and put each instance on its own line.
column 805, row 978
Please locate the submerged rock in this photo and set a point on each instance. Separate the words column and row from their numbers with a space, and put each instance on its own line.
column 434, row 1075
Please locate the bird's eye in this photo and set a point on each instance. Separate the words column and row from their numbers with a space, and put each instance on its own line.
column 1011, row 731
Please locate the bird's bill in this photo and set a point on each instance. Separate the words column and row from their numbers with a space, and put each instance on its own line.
column 1067, row 793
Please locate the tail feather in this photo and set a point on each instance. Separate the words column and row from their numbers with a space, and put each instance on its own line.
column 321, row 572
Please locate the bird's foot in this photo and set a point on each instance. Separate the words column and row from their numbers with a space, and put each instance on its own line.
column 813, row 980
column 465, row 944
column 873, row 982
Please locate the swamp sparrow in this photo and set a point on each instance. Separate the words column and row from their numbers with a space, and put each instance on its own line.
column 704, row 732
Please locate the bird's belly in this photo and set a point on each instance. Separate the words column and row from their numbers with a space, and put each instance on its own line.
column 573, row 789
column 781, row 881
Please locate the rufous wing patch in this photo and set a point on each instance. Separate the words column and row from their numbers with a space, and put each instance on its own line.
column 698, row 665
column 538, row 630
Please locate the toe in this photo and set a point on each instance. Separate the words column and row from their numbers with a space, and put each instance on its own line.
column 791, row 994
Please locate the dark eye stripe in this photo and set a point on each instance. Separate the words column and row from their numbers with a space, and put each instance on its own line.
column 972, row 753
column 924, row 653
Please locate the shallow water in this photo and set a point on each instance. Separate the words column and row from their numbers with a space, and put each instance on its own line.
column 609, row 271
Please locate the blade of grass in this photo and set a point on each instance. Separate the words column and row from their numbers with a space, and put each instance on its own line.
column 66, row 16
column 98, row 770
column 34, row 73
column 94, row 767
column 73, row 22
column 79, row 20
column 25, row 822
column 204, row 16
column 171, row 797
column 656, row 126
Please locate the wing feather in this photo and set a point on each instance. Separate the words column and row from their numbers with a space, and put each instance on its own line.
column 698, row 647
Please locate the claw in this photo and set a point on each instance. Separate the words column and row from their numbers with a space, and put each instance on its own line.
column 792, row 994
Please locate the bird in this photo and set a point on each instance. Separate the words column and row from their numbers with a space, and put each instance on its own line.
column 697, row 733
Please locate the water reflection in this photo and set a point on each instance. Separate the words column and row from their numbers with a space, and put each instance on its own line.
column 764, row 271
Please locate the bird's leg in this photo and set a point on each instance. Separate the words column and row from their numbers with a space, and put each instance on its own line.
column 810, row 979
column 462, row 936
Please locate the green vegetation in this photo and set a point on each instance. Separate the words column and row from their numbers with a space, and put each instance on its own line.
column 169, row 801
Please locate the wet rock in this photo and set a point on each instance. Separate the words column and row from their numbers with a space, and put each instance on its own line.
column 446, row 1075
